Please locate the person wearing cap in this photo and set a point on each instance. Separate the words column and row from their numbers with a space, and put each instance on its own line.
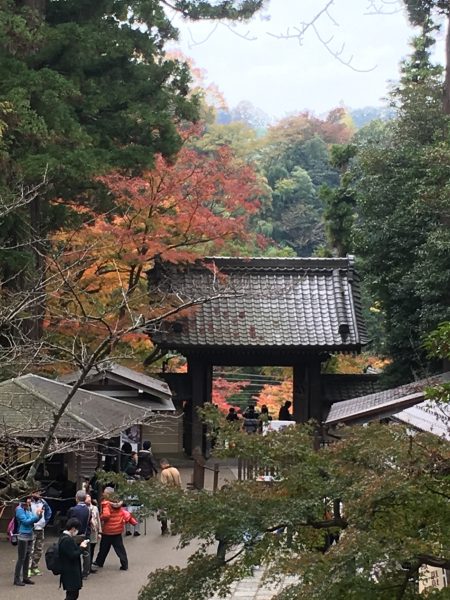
column 38, row 504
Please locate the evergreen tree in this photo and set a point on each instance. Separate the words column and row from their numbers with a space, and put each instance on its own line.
column 85, row 87
column 403, row 209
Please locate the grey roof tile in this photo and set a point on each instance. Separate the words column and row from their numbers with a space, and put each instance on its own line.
column 382, row 403
column 299, row 302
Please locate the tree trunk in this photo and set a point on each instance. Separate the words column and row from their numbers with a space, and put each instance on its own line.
column 446, row 101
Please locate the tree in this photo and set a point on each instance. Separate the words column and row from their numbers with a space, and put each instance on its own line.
column 339, row 213
column 223, row 391
column 354, row 519
column 295, row 157
column 87, row 88
column 422, row 13
column 402, row 231
column 199, row 205
column 296, row 213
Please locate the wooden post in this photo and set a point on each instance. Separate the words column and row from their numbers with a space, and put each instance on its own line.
column 201, row 384
column 216, row 477
column 307, row 392
column 299, row 399
column 198, row 479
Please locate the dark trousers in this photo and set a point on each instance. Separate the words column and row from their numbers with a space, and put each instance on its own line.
column 23, row 559
column 86, row 562
column 72, row 594
column 116, row 542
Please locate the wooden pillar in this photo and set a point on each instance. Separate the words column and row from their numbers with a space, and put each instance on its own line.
column 201, row 381
column 307, row 392
column 299, row 394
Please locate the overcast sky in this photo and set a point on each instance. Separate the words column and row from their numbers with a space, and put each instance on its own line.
column 282, row 76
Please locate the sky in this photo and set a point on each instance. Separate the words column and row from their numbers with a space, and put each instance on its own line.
column 253, row 61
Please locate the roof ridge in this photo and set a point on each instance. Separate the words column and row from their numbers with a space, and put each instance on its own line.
column 53, row 404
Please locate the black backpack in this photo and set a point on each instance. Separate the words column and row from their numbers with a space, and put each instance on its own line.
column 53, row 560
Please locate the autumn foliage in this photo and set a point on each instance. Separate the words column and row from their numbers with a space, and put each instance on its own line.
column 175, row 212
column 223, row 390
column 335, row 128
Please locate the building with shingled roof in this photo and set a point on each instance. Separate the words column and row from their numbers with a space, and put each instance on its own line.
column 259, row 312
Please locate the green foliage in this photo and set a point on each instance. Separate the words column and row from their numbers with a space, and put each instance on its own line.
column 393, row 489
column 295, row 157
column 339, row 213
column 401, row 181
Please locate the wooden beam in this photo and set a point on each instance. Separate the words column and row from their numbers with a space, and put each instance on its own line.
column 307, row 399
column 201, row 384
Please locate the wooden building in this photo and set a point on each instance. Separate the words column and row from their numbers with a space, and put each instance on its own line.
column 27, row 407
column 263, row 312
column 139, row 389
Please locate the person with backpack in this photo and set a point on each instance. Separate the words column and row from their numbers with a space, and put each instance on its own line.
column 38, row 542
column 69, row 553
column 146, row 461
column 25, row 524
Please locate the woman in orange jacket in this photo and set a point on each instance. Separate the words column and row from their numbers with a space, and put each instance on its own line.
column 113, row 517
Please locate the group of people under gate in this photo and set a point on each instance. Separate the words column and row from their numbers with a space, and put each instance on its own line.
column 253, row 421
column 97, row 521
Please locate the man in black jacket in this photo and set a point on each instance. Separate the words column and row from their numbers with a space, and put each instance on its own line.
column 146, row 461
column 82, row 512
column 69, row 556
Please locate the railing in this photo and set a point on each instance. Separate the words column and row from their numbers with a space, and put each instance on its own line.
column 198, row 476
column 250, row 468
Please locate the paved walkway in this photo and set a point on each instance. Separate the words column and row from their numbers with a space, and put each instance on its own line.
column 146, row 553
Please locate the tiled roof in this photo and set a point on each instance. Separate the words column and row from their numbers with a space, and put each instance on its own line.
column 262, row 302
column 28, row 403
column 337, row 388
column 385, row 403
column 128, row 377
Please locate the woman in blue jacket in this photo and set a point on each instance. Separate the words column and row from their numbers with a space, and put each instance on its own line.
column 26, row 520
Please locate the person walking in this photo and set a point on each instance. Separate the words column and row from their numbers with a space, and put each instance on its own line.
column 69, row 555
column 113, row 518
column 146, row 461
column 26, row 520
column 82, row 512
column 96, row 528
column 38, row 503
column 170, row 476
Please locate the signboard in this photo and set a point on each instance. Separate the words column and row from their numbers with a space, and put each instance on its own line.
column 276, row 426
column 432, row 578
